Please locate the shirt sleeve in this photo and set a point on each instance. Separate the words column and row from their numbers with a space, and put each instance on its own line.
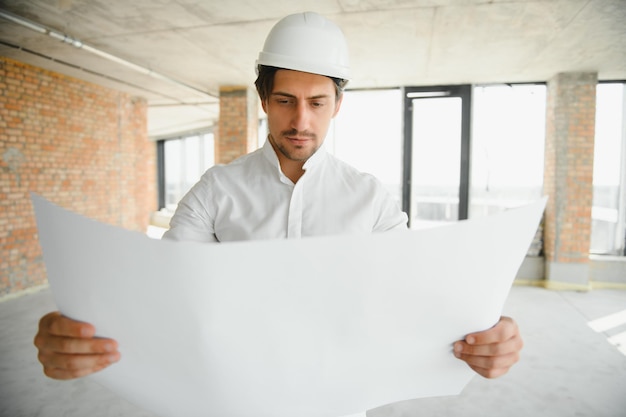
column 192, row 221
column 390, row 215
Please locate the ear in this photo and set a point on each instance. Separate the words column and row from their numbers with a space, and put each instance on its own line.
column 264, row 106
column 338, row 105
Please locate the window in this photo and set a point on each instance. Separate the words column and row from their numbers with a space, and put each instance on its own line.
column 507, row 145
column 609, row 171
column 367, row 134
column 436, row 128
column 183, row 161
column 508, row 140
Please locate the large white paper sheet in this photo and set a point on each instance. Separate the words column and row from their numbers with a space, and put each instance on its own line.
column 318, row 327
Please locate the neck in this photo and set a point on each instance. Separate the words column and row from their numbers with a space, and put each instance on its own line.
column 291, row 168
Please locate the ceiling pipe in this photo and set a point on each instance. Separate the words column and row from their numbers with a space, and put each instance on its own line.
column 80, row 45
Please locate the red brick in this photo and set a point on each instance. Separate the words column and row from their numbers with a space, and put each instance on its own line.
column 568, row 171
column 237, row 127
column 50, row 120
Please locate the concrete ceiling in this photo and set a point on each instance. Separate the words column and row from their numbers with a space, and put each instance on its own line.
column 193, row 47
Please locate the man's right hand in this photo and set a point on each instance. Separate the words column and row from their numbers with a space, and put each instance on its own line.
column 68, row 348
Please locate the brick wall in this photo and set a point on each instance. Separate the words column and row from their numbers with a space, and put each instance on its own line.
column 80, row 145
column 237, row 132
column 568, row 172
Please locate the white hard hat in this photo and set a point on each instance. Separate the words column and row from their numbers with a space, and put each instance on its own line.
column 307, row 42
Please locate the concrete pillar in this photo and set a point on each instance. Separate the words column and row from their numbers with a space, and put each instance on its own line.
column 237, row 132
column 568, row 177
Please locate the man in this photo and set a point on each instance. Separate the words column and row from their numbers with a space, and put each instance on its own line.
column 290, row 188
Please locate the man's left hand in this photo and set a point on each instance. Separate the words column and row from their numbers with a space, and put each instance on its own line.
column 491, row 353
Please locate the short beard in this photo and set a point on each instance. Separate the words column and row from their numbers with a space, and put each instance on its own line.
column 283, row 150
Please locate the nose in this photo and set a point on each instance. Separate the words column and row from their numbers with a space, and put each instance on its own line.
column 301, row 117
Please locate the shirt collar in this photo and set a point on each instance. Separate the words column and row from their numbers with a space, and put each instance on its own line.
column 316, row 159
column 270, row 155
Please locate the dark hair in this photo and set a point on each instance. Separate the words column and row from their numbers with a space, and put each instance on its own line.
column 265, row 82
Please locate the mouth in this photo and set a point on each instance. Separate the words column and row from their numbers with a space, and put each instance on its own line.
column 297, row 140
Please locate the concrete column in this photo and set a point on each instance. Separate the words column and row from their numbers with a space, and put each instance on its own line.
column 237, row 132
column 568, row 177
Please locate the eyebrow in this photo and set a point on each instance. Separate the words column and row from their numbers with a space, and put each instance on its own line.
column 283, row 94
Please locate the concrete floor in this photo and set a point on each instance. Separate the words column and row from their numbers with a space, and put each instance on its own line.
column 567, row 368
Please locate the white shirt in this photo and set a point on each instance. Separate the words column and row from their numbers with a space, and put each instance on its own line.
column 251, row 199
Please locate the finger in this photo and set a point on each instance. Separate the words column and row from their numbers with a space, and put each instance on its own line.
column 491, row 366
column 57, row 324
column 505, row 329
column 512, row 345
column 64, row 374
column 77, row 362
column 490, row 372
column 69, row 345
column 74, row 366
column 499, row 361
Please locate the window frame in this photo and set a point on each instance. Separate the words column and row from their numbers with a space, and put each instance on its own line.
column 161, row 170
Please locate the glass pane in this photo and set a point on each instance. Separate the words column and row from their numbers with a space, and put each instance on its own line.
column 436, row 161
column 173, row 178
column 608, row 212
column 208, row 146
column 367, row 134
column 186, row 159
column 508, row 140
column 190, row 161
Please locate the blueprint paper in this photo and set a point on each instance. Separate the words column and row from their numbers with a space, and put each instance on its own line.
column 325, row 326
